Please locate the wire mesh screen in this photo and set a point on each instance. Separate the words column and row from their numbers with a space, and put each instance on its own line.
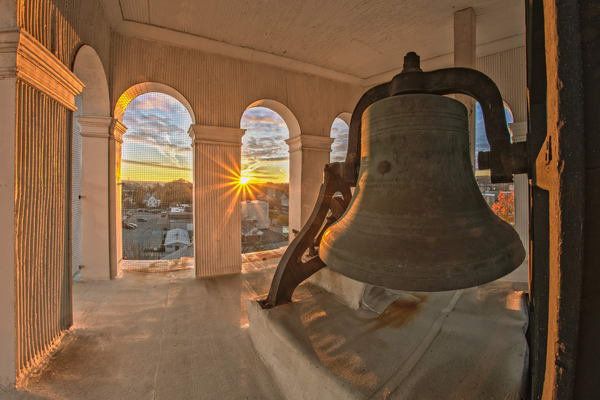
column 265, row 180
column 157, row 163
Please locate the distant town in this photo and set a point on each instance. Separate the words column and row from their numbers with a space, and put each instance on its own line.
column 265, row 211
column 158, row 219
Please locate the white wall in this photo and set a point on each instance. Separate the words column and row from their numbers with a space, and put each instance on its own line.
column 220, row 88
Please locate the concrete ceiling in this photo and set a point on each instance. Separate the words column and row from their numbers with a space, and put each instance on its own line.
column 359, row 39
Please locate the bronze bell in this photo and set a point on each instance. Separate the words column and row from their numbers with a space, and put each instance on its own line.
column 417, row 220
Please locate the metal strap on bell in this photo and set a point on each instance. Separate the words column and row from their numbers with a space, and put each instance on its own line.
column 417, row 220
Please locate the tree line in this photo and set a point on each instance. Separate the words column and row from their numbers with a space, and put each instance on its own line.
column 170, row 193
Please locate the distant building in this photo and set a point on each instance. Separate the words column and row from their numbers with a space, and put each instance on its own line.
column 154, row 243
column 257, row 213
column 285, row 202
column 152, row 202
column 176, row 239
column 180, row 220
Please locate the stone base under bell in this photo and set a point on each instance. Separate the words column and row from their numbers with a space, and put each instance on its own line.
column 356, row 294
column 347, row 290
column 457, row 344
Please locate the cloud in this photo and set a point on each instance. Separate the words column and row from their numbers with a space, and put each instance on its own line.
column 157, row 134
column 156, row 165
column 265, row 136
column 267, row 171
column 261, row 117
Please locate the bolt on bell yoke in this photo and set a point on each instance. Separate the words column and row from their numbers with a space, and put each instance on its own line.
column 417, row 220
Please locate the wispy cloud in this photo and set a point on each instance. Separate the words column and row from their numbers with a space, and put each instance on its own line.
column 264, row 151
column 156, row 136
column 155, row 165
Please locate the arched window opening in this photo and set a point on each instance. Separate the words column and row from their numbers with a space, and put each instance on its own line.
column 156, row 174
column 499, row 196
column 339, row 134
column 90, row 187
column 264, row 180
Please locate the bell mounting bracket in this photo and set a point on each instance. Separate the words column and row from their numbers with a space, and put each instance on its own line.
column 504, row 159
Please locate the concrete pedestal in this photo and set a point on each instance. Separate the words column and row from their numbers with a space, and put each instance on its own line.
column 346, row 290
column 451, row 345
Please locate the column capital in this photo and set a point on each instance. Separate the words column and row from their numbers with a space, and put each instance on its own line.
column 25, row 58
column 519, row 131
column 117, row 130
column 217, row 135
column 309, row 142
column 96, row 127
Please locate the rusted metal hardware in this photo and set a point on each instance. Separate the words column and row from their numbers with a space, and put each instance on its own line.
column 504, row 158
column 300, row 260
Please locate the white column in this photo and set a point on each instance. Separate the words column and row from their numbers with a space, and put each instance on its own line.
column 23, row 60
column 308, row 156
column 95, row 204
column 465, row 44
column 217, row 216
column 115, row 141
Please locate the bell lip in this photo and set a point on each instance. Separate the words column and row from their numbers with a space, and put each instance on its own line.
column 438, row 284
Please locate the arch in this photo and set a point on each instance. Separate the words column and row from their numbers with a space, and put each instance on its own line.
column 267, row 205
column 88, row 67
column 146, row 87
column 90, row 214
column 508, row 108
column 288, row 116
column 339, row 146
column 157, row 173
column 345, row 116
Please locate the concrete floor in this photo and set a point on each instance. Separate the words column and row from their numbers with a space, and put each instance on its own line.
column 159, row 336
